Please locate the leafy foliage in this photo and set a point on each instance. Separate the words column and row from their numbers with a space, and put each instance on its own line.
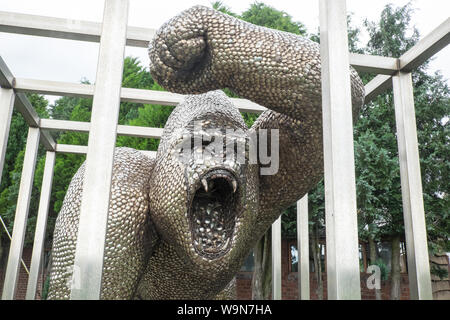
column 15, row 152
column 377, row 168
column 264, row 15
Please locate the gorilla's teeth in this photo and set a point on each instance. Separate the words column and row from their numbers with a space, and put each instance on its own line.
column 205, row 184
column 234, row 186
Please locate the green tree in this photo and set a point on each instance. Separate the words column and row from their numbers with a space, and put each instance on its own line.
column 377, row 168
column 12, row 171
column 267, row 16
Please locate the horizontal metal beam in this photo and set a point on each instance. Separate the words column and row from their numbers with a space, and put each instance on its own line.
column 56, row 88
column 376, row 86
column 436, row 40
column 423, row 50
column 140, row 37
column 150, row 97
column 76, row 149
column 68, row 148
column 70, row 29
column 127, row 94
column 64, row 125
column 87, row 91
column 79, row 126
column 374, row 64
column 139, row 132
column 137, row 37
column 6, row 77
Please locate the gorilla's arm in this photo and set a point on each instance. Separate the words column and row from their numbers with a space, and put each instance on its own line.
column 202, row 49
column 129, row 237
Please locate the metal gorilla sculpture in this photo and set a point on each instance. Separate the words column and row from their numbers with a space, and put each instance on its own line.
column 181, row 230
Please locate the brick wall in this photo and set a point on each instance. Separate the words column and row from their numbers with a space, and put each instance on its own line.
column 289, row 289
column 23, row 277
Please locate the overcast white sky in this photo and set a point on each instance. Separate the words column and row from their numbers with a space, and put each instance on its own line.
column 65, row 60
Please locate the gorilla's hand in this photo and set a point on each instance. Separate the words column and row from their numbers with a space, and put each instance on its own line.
column 182, row 52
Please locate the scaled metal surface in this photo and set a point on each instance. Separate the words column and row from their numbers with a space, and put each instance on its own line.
column 168, row 235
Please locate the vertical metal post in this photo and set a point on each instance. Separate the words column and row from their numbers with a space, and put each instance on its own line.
column 276, row 259
column 41, row 225
column 6, row 108
column 340, row 191
column 303, row 248
column 413, row 210
column 99, row 160
column 20, row 220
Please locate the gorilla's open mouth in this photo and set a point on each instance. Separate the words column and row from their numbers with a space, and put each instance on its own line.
column 212, row 213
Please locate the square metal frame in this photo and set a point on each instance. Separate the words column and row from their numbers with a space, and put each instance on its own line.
column 340, row 210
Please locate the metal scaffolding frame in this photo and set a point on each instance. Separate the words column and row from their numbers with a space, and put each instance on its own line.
column 342, row 264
